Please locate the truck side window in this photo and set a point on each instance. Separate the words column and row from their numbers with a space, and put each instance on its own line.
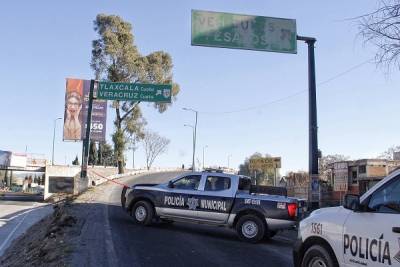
column 188, row 183
column 217, row 183
column 386, row 199
column 244, row 184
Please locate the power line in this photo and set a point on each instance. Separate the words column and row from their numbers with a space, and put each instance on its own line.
column 289, row 96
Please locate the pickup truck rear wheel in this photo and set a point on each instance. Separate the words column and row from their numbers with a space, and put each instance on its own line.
column 317, row 256
column 250, row 228
column 142, row 213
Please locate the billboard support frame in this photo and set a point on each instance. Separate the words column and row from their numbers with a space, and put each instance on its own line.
column 86, row 141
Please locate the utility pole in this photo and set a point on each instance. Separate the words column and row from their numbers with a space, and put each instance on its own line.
column 54, row 137
column 313, row 192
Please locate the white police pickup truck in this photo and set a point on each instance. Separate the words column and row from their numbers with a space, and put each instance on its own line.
column 365, row 231
column 212, row 198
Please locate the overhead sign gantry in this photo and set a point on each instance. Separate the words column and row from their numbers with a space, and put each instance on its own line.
column 227, row 30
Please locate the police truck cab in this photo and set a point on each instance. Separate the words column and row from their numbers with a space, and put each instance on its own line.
column 365, row 231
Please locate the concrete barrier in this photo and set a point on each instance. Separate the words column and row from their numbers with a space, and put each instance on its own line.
column 62, row 171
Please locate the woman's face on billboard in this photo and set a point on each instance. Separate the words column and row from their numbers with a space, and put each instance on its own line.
column 73, row 105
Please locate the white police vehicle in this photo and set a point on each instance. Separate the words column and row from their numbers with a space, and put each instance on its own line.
column 365, row 231
column 212, row 198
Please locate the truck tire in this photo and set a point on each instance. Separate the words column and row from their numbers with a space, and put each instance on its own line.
column 250, row 228
column 318, row 255
column 142, row 212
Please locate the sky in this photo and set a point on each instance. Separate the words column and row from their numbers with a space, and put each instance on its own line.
column 248, row 101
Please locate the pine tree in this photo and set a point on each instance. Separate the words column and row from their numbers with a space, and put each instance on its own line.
column 116, row 58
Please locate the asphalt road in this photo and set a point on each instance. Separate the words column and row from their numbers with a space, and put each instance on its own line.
column 16, row 217
column 177, row 244
column 181, row 244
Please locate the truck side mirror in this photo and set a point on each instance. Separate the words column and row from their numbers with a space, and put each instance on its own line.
column 170, row 184
column 352, row 202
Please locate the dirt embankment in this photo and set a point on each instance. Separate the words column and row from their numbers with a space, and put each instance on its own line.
column 45, row 243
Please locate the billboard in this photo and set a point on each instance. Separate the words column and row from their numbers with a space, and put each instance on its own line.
column 341, row 176
column 5, row 157
column 76, row 110
column 18, row 160
column 36, row 160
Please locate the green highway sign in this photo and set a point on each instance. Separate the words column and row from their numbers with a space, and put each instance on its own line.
column 134, row 92
column 228, row 30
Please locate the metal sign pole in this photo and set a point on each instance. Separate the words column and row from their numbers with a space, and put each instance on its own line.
column 86, row 141
column 313, row 127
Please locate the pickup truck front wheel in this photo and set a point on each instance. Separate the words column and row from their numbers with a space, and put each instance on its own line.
column 250, row 228
column 142, row 213
column 318, row 256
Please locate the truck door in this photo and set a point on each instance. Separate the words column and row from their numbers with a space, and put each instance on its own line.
column 372, row 238
column 216, row 199
column 177, row 201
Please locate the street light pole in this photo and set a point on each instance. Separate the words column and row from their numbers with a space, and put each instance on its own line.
column 133, row 158
column 313, row 192
column 204, row 147
column 133, row 147
column 229, row 156
column 133, row 155
column 194, row 135
column 54, row 137
column 193, row 142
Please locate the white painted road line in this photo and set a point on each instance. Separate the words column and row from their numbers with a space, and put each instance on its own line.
column 13, row 231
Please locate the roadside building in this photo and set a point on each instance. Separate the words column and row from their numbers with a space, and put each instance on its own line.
column 340, row 178
column 364, row 173
column 353, row 177
column 22, row 173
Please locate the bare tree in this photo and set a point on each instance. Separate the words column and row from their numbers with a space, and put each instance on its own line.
column 389, row 153
column 154, row 145
column 382, row 29
column 327, row 160
column 324, row 161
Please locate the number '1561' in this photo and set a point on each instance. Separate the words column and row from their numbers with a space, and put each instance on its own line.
column 316, row 228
